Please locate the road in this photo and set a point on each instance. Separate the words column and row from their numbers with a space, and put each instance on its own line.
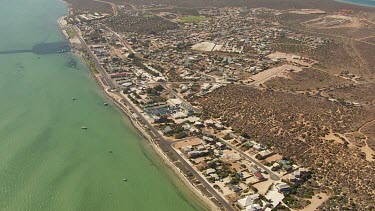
column 100, row 68
column 196, row 110
column 126, row 44
column 273, row 176
column 157, row 136
column 154, row 132
column 114, row 6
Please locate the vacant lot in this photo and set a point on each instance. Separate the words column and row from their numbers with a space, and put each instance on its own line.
column 308, row 79
column 192, row 19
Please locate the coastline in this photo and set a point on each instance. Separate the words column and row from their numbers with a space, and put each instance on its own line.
column 141, row 129
column 370, row 5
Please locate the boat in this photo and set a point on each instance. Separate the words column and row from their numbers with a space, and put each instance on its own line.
column 74, row 98
column 84, row 128
column 105, row 104
column 125, row 180
column 109, row 151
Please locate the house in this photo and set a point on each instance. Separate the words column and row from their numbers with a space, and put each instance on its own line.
column 234, row 188
column 259, row 176
column 258, row 147
column 302, row 170
column 174, row 103
column 265, row 154
column 245, row 175
column 209, row 122
column 219, row 126
column 248, row 200
column 210, row 171
column 207, row 139
column 220, row 145
column 253, row 207
column 293, row 178
column 282, row 187
column 215, row 177
column 186, row 149
column 194, row 154
column 167, row 130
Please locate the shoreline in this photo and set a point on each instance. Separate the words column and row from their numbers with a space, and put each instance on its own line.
column 141, row 129
column 355, row 4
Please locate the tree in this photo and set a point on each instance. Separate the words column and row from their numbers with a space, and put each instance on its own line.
column 131, row 56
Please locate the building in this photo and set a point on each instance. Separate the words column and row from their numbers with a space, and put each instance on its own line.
column 282, row 187
column 234, row 188
column 248, row 200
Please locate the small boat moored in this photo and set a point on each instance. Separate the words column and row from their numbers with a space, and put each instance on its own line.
column 84, row 128
column 105, row 104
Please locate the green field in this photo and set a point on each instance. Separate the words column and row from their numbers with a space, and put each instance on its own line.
column 192, row 19
column 70, row 33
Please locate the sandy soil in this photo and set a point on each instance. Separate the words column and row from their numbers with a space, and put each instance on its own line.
column 280, row 71
column 273, row 158
column 316, row 202
column 188, row 142
column 333, row 21
column 263, row 186
column 203, row 46
column 331, row 136
column 308, row 11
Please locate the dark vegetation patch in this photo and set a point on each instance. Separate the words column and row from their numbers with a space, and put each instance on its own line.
column 142, row 24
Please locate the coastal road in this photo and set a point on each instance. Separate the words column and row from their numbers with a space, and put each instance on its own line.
column 95, row 59
column 154, row 132
column 156, row 135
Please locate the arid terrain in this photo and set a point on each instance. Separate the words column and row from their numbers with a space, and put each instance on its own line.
column 293, row 77
column 294, row 126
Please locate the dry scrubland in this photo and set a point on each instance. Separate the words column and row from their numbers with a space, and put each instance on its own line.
column 298, row 4
column 294, row 126
column 364, row 93
column 147, row 24
column 308, row 79
column 89, row 5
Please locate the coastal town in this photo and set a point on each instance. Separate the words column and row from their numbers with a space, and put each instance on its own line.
column 163, row 68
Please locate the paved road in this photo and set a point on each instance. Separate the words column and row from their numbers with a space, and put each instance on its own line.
column 114, row 6
column 197, row 110
column 273, row 176
column 154, row 133
column 100, row 68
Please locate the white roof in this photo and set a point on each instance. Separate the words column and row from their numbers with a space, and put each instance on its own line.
column 253, row 207
column 210, row 171
column 175, row 101
column 248, row 200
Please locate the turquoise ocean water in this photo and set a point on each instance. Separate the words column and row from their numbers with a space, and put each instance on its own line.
column 368, row 3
